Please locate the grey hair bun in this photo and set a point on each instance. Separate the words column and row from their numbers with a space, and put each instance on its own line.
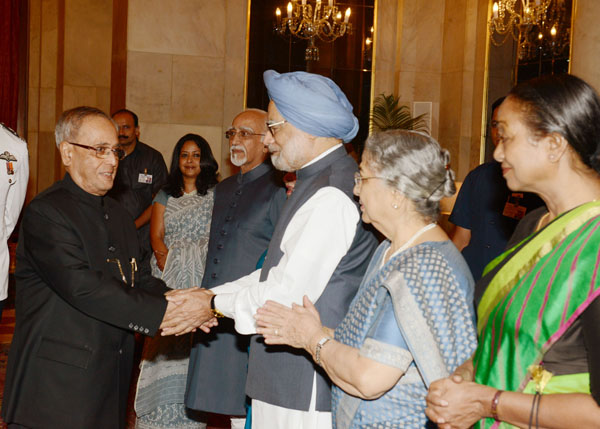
column 414, row 164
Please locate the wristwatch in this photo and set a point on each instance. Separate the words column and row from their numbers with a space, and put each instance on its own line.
column 213, row 310
column 320, row 345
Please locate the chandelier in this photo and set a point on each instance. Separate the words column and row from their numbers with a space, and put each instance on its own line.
column 540, row 27
column 307, row 21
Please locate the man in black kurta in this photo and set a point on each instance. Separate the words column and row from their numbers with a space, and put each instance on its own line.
column 245, row 212
column 81, row 291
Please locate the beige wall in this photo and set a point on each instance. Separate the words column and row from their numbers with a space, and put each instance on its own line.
column 87, row 54
column 463, row 84
column 185, row 70
column 435, row 52
column 69, row 65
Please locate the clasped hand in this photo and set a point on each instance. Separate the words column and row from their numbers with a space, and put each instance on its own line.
column 188, row 310
column 455, row 403
column 295, row 326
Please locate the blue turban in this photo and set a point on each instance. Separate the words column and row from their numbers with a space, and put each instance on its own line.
column 312, row 103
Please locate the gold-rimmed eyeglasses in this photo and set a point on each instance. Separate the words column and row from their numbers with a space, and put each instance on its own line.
column 102, row 152
column 271, row 126
column 358, row 179
column 243, row 134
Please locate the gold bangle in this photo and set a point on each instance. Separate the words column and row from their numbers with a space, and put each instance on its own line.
column 213, row 310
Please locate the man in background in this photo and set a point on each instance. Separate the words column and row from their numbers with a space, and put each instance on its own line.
column 140, row 176
column 486, row 212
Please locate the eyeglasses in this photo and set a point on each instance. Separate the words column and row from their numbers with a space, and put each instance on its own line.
column 358, row 179
column 103, row 152
column 242, row 133
column 272, row 125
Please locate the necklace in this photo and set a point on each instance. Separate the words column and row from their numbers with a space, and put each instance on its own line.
column 412, row 239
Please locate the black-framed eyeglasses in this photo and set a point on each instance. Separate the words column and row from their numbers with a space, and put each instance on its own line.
column 244, row 134
column 271, row 126
column 358, row 179
column 103, row 152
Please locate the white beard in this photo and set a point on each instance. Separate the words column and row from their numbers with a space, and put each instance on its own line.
column 238, row 160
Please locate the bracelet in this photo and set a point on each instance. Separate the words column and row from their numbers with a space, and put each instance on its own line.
column 535, row 405
column 213, row 310
column 494, row 407
column 320, row 345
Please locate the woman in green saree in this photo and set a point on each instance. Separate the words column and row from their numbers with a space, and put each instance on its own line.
column 538, row 359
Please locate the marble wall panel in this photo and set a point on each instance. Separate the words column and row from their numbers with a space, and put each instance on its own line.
column 468, row 147
column 474, row 156
column 49, row 43
column 386, row 48
column 164, row 136
column 46, row 155
column 429, row 23
column 468, row 101
column 103, row 99
column 32, row 146
column 35, row 27
column 33, row 106
column 74, row 96
column 427, row 86
column 452, row 99
column 233, row 103
column 406, row 85
column 454, row 36
column 182, row 27
column 471, row 33
column 88, row 42
column 47, row 109
column 149, row 81
column 198, row 85
column 585, row 61
column 234, row 82
column 236, row 16
column 408, row 36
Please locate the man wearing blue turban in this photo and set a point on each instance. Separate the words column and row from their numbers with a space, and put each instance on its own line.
column 319, row 248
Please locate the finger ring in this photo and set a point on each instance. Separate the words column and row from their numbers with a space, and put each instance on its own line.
column 276, row 332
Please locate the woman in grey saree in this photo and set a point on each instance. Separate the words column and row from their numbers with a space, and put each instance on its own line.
column 180, row 227
column 412, row 320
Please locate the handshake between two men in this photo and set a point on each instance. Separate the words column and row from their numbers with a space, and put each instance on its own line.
column 188, row 310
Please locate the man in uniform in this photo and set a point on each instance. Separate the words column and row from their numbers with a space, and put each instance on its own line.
column 141, row 175
column 81, row 291
column 13, row 187
column 319, row 248
column 244, row 216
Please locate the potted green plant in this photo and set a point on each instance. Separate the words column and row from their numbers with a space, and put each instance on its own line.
column 388, row 114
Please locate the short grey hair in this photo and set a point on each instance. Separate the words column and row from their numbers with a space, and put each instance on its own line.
column 414, row 164
column 67, row 127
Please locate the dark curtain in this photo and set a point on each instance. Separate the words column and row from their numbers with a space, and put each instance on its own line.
column 10, row 20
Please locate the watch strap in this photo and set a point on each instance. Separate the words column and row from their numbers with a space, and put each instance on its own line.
column 320, row 345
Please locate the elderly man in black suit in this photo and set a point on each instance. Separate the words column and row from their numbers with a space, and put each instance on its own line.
column 81, row 291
